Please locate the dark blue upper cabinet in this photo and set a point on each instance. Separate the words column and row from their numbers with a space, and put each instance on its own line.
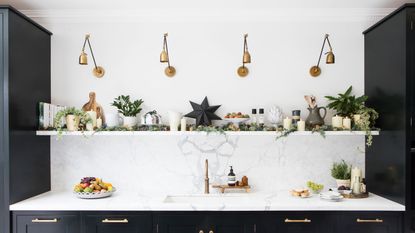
column 390, row 85
column 24, row 81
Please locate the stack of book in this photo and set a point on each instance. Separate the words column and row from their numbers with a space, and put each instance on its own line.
column 47, row 113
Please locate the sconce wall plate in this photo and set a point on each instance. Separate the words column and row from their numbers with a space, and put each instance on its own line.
column 243, row 71
column 330, row 59
column 170, row 71
column 97, row 71
column 246, row 59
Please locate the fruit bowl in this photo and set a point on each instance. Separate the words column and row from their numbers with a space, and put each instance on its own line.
column 93, row 188
column 94, row 195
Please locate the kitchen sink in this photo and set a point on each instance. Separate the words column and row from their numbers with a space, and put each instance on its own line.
column 210, row 199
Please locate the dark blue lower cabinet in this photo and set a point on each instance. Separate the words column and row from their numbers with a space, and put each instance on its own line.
column 116, row 222
column 207, row 222
column 300, row 222
column 370, row 222
column 46, row 222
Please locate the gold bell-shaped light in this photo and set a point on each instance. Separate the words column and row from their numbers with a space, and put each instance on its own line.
column 164, row 57
column 98, row 71
column 330, row 59
column 83, row 58
column 243, row 71
column 169, row 71
column 247, row 57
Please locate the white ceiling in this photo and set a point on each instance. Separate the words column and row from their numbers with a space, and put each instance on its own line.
column 210, row 4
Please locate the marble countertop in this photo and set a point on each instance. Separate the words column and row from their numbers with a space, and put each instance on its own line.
column 280, row 201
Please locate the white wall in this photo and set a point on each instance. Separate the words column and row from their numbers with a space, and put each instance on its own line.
column 206, row 52
column 206, row 49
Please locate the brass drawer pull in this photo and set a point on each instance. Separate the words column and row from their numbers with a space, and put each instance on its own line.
column 297, row 220
column 115, row 220
column 36, row 220
column 369, row 220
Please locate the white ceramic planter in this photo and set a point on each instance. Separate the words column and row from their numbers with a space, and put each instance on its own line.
column 72, row 122
column 345, row 183
column 129, row 121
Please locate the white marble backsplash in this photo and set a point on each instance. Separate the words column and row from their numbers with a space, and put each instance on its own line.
column 154, row 165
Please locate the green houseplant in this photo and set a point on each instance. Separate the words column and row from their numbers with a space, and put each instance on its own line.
column 342, row 173
column 346, row 104
column 368, row 117
column 75, row 119
column 128, row 108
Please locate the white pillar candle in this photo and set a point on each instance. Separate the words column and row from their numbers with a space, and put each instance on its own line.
column 174, row 120
column 301, row 125
column 93, row 116
column 337, row 121
column 89, row 126
column 356, row 177
column 347, row 123
column 356, row 118
column 183, row 124
column 287, row 123
column 99, row 123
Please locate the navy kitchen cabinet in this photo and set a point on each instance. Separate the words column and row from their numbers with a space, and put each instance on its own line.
column 119, row 222
column 24, row 81
column 233, row 222
column 390, row 85
column 46, row 222
column 369, row 222
column 187, row 222
column 300, row 222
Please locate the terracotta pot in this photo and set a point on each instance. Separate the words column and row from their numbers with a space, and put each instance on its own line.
column 72, row 122
column 345, row 183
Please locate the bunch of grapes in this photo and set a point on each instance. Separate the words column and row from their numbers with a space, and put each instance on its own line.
column 314, row 186
column 87, row 180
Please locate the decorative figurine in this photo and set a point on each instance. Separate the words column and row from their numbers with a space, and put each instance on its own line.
column 203, row 113
column 274, row 115
column 92, row 105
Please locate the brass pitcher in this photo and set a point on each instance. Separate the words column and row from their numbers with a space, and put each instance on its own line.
column 314, row 118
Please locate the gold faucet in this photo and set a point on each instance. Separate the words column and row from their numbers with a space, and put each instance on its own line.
column 206, row 176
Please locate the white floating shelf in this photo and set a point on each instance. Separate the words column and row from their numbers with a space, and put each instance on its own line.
column 190, row 133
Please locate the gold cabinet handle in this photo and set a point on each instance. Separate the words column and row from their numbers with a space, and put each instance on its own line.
column 115, row 220
column 369, row 220
column 297, row 220
column 36, row 220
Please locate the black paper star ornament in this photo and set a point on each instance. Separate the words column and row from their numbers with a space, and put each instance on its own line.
column 203, row 113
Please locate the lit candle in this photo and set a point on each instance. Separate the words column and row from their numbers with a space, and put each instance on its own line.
column 337, row 121
column 183, row 124
column 347, row 123
column 99, row 123
column 287, row 123
column 93, row 116
column 301, row 125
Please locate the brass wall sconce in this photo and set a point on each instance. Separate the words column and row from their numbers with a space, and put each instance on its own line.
column 246, row 59
column 98, row 71
column 170, row 71
column 315, row 70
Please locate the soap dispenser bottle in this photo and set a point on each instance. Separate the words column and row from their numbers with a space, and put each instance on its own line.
column 231, row 178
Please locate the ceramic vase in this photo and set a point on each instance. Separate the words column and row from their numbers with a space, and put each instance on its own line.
column 174, row 120
column 314, row 118
column 129, row 121
column 72, row 122
column 345, row 183
column 112, row 120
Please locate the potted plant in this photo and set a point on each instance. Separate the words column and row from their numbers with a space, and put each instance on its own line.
column 74, row 119
column 342, row 173
column 366, row 122
column 346, row 104
column 128, row 109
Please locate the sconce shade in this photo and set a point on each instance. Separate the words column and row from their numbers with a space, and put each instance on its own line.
column 247, row 57
column 83, row 59
column 330, row 59
column 164, row 57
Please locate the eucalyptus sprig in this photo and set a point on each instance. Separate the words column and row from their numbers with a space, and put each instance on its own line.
column 210, row 129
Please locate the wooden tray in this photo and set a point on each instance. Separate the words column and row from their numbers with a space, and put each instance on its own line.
column 356, row 196
column 222, row 188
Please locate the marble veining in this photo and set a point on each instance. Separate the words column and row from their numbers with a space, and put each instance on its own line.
column 152, row 165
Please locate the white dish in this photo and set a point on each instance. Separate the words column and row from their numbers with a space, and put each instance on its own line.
column 236, row 120
column 331, row 196
column 93, row 195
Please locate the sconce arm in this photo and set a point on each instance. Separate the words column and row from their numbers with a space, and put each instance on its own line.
column 92, row 53
column 326, row 38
